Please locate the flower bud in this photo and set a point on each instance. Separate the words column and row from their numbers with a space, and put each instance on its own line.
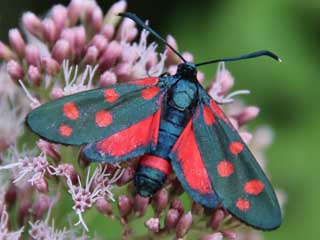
column 184, row 225
column 59, row 16
column 128, row 174
column 104, row 207
column 108, row 31
column 97, row 19
column 51, row 66
column 41, row 185
column 49, row 149
column 152, row 224
column 160, row 201
column 61, row 50
column 33, row 24
column 5, row 52
column 247, row 115
column 214, row 236
column 171, row 219
column 91, row 55
column 50, row 32
column 112, row 15
column 124, row 206
column 100, row 42
column 216, row 219
column 107, row 78
column 33, row 55
column 74, row 11
column 41, row 206
column 230, row 234
column 15, row 70
column 172, row 58
column 17, row 42
column 140, row 204
column 110, row 55
column 177, row 204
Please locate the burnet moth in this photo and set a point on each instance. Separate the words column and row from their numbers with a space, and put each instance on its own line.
column 174, row 125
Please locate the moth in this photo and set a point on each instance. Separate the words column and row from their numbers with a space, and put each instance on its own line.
column 173, row 125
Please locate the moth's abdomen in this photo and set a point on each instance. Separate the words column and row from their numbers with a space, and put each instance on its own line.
column 151, row 174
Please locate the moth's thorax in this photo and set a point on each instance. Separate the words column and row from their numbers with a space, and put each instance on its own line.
column 183, row 94
column 187, row 71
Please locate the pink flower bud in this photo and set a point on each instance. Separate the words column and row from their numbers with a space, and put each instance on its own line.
column 106, row 79
column 33, row 55
column 61, row 50
column 200, row 77
column 33, row 24
column 110, row 55
column 15, row 70
column 51, row 66
column 79, row 39
column 74, row 11
column 34, row 75
column 17, row 42
column 91, row 55
column 171, row 219
column 59, row 16
column 172, row 58
column 112, row 15
column 214, row 236
column 23, row 211
column 127, row 176
column 41, row 185
column 177, row 204
column 97, row 19
column 49, row 149
column 107, row 31
column 104, row 207
column 50, row 32
column 124, row 206
column 41, row 206
column 230, row 234
column 123, row 71
column 172, row 69
column 56, row 92
column 68, row 171
column 247, row 115
column 5, row 52
column 153, row 224
column 184, row 224
column 216, row 219
column 11, row 195
column 187, row 56
column 100, row 42
column 160, row 201
column 140, row 204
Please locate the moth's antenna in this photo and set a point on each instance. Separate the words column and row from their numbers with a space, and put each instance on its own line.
column 246, row 56
column 139, row 21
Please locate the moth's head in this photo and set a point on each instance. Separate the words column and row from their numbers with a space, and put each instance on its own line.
column 187, row 70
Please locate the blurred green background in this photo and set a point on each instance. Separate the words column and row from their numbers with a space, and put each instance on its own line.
column 287, row 93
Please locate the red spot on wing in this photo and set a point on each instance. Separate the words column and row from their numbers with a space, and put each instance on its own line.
column 225, row 168
column 150, row 92
column 157, row 163
column 110, row 95
column 103, row 118
column 65, row 130
column 217, row 110
column 243, row 204
column 71, row 111
column 254, row 187
column 188, row 155
column 137, row 135
column 208, row 116
column 236, row 147
column 146, row 81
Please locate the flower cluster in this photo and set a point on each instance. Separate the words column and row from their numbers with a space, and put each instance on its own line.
column 72, row 49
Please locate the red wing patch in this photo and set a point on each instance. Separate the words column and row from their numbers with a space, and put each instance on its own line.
column 188, row 155
column 146, row 81
column 138, row 135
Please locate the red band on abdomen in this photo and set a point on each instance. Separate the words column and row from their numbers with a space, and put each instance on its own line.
column 157, row 163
